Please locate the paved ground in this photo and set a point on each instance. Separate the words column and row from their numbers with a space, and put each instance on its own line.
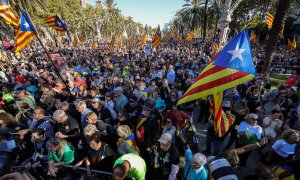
column 253, row 159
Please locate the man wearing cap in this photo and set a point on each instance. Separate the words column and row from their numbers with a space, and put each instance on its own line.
column 121, row 99
column 147, row 130
column 101, row 111
column 167, row 158
column 133, row 109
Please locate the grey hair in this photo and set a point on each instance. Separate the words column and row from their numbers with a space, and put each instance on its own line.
column 90, row 129
column 59, row 113
column 82, row 103
column 252, row 115
column 198, row 160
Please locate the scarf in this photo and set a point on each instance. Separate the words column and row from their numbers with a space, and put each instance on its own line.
column 140, row 127
column 130, row 141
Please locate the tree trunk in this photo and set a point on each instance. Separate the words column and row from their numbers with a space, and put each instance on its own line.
column 205, row 19
column 224, row 22
column 227, row 8
column 274, row 34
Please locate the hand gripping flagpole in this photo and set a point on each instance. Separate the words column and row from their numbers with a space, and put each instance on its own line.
column 46, row 51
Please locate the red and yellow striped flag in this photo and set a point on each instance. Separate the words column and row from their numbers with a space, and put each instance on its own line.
column 132, row 41
column 7, row 13
column 120, row 44
column 190, row 36
column 75, row 41
column 112, row 44
column 292, row 44
column 215, row 47
column 157, row 38
column 25, row 32
column 222, row 121
column 269, row 20
column 94, row 45
column 82, row 40
column 179, row 38
column 225, row 70
column 144, row 41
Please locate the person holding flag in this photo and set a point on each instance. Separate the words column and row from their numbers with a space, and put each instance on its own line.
column 230, row 67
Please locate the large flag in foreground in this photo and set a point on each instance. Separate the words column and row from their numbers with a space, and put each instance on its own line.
column 230, row 67
column 25, row 34
column 56, row 23
column 157, row 38
column 222, row 121
column 7, row 13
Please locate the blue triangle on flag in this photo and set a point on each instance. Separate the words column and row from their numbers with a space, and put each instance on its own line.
column 237, row 54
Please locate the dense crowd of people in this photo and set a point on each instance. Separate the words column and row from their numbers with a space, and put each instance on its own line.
column 115, row 115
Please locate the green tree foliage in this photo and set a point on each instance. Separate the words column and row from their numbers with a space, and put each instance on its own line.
column 84, row 21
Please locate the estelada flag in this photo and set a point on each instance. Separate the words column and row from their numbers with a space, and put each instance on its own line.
column 56, row 23
column 25, row 32
column 230, row 67
column 157, row 38
column 7, row 13
column 222, row 121
column 269, row 20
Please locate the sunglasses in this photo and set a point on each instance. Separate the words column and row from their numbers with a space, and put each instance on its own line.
column 254, row 119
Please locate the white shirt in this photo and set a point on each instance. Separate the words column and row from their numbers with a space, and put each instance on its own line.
column 283, row 148
column 247, row 128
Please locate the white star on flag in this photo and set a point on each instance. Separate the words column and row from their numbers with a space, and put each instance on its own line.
column 26, row 24
column 237, row 53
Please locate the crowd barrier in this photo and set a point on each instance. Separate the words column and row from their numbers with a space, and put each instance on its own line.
column 96, row 173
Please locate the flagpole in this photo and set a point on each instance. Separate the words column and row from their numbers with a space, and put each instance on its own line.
column 46, row 51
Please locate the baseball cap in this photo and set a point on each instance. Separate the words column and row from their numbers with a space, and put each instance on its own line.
column 133, row 99
column 101, row 125
column 164, row 138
